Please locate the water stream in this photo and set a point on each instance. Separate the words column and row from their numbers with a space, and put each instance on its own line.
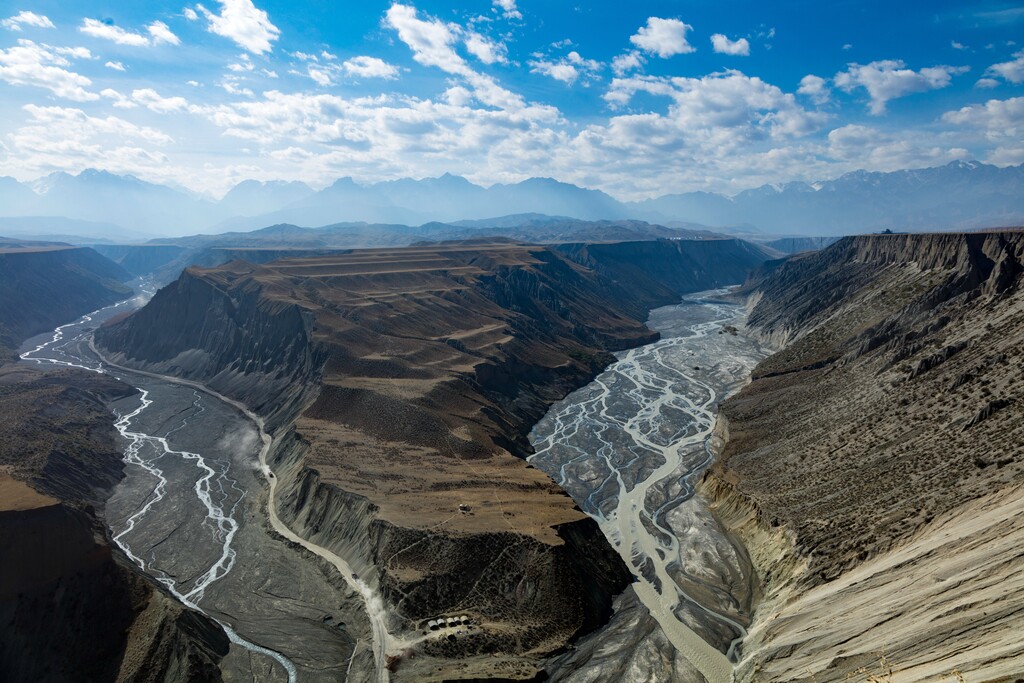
column 177, row 512
column 629, row 447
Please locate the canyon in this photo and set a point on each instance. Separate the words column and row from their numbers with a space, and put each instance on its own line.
column 816, row 476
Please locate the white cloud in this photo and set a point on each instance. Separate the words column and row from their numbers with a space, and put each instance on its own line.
column 663, row 37
column 233, row 88
column 627, row 62
column 152, row 100
column 508, row 9
column 323, row 76
column 120, row 101
column 116, row 66
column 997, row 119
column 369, row 67
column 723, row 45
column 190, row 14
column 98, row 29
column 161, row 34
column 859, row 146
column 484, row 49
column 958, row 46
column 1012, row 71
column 26, row 18
column 241, row 22
column 42, row 66
column 815, row 88
column 69, row 139
column 433, row 43
column 568, row 68
column 723, row 105
column 890, row 79
column 986, row 83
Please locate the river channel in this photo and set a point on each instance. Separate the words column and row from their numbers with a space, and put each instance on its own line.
column 629, row 448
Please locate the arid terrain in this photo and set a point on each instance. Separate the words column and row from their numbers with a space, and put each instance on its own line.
column 873, row 466
column 399, row 386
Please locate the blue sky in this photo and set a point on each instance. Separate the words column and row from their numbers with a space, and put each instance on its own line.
column 638, row 99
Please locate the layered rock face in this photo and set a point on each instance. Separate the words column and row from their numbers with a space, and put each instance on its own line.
column 400, row 384
column 69, row 609
column 874, row 465
column 44, row 286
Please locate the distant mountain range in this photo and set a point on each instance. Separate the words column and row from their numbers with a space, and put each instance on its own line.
column 98, row 204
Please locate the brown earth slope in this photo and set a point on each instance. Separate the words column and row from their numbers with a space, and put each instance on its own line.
column 70, row 610
column 412, row 377
column 875, row 465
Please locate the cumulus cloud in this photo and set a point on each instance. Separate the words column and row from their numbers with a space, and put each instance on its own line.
column 891, row 79
column 627, row 61
column 508, row 9
column 815, row 88
column 242, row 22
column 1012, row 71
column 663, row 37
column 568, row 68
column 116, row 66
column 998, row 118
column 152, row 100
column 190, row 14
column 723, row 105
column 42, row 66
column 70, row 139
column 433, row 43
column 26, row 18
column 369, row 67
column 722, row 45
column 867, row 147
column 116, row 34
column 159, row 33
column 485, row 49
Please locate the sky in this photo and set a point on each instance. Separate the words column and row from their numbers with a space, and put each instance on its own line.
column 638, row 99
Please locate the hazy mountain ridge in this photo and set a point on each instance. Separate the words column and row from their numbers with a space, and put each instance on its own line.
column 958, row 195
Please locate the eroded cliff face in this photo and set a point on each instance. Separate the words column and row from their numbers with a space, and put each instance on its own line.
column 873, row 466
column 70, row 609
column 42, row 287
column 400, row 384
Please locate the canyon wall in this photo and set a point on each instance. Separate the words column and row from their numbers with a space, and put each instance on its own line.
column 42, row 287
column 400, row 385
column 873, row 465
column 71, row 609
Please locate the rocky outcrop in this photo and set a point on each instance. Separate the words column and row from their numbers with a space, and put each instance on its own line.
column 71, row 609
column 400, row 384
column 45, row 286
column 867, row 443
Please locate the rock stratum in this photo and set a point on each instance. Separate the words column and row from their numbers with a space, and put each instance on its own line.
column 400, row 386
column 70, row 608
column 873, row 466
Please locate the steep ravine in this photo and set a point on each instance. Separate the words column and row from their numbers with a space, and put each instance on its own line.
column 873, row 466
column 441, row 365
